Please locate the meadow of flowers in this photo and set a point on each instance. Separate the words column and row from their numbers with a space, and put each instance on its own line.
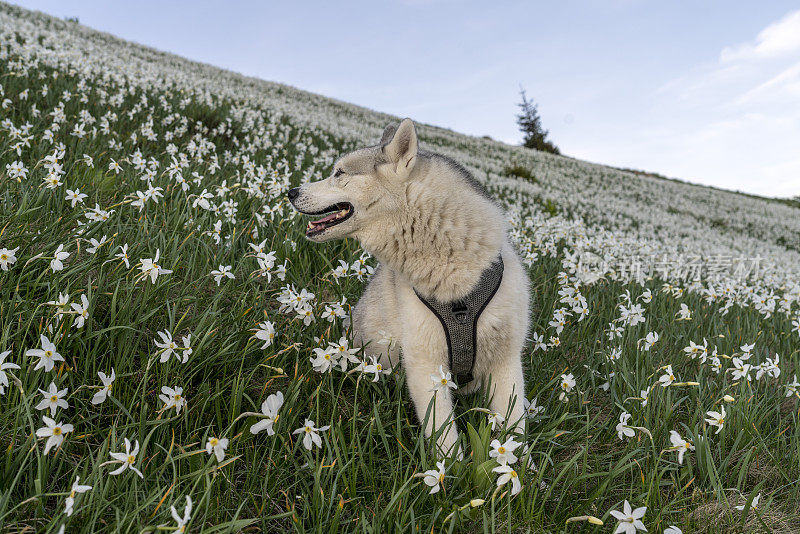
column 174, row 356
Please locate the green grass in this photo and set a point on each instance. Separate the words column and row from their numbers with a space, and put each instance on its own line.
column 362, row 479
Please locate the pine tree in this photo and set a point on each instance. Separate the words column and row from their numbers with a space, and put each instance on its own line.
column 534, row 135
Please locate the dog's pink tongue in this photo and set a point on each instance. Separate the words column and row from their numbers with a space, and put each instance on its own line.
column 326, row 219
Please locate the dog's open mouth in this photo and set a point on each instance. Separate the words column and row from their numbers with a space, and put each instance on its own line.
column 337, row 214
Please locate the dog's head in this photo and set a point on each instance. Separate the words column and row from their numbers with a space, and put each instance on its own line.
column 365, row 186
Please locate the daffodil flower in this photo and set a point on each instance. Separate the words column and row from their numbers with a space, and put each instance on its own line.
column 127, row 459
column 47, row 354
column 310, row 433
column 217, row 446
column 507, row 473
column 52, row 399
column 270, row 409
column 629, row 520
column 54, row 432
column 74, row 491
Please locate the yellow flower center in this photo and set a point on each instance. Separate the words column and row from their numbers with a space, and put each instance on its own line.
column 57, row 431
column 379, row 367
column 48, row 353
column 213, row 442
column 131, row 458
column 3, row 257
column 513, row 474
column 308, row 429
column 54, row 398
column 444, row 381
column 501, row 450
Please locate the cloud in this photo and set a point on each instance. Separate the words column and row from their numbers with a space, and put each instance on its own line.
column 733, row 122
column 779, row 39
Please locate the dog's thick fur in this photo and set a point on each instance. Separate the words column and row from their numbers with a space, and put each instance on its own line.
column 433, row 228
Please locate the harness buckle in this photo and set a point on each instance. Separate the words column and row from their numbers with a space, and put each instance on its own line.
column 460, row 312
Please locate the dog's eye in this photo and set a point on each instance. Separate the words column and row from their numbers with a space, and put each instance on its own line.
column 338, row 172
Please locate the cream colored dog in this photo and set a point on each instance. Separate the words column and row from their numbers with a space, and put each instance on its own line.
column 433, row 228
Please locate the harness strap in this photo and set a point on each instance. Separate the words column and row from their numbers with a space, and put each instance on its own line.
column 460, row 320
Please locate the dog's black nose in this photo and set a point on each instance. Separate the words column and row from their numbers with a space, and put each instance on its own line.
column 292, row 194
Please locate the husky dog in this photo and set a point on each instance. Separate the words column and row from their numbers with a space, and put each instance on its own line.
column 434, row 230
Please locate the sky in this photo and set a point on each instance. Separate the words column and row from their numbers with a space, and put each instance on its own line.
column 707, row 91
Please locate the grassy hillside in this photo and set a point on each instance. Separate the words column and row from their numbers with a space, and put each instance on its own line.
column 144, row 232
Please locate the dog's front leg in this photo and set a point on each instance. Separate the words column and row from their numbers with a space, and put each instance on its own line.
column 419, row 367
column 508, row 390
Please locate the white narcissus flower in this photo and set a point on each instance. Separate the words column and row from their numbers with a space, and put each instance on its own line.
column 792, row 388
column 496, row 420
column 679, row 444
column 623, row 430
column 324, row 360
column 532, row 410
column 172, row 398
column 746, row 351
column 266, row 333
column 75, row 490
column 753, row 505
column 123, row 255
column 75, row 197
column 217, row 446
column 508, row 473
column 186, row 350
column 151, row 268
column 672, row 530
column 629, row 520
column 167, row 346
column 54, row 432
column 4, row 366
column 667, row 378
column 47, row 355
column 716, row 419
column 181, row 522
column 222, row 272
column 57, row 263
column 375, row 367
column 7, row 257
column 311, row 434
column 504, row 452
column 344, row 354
column 127, row 459
column 81, row 311
column 647, row 342
column 52, row 399
column 269, row 408
column 96, row 244
column 740, row 369
column 105, row 391
column 443, row 380
column 567, row 383
column 434, row 478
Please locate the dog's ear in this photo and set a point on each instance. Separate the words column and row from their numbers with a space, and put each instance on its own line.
column 388, row 133
column 401, row 150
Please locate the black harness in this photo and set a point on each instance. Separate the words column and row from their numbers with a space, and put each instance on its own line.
column 460, row 320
